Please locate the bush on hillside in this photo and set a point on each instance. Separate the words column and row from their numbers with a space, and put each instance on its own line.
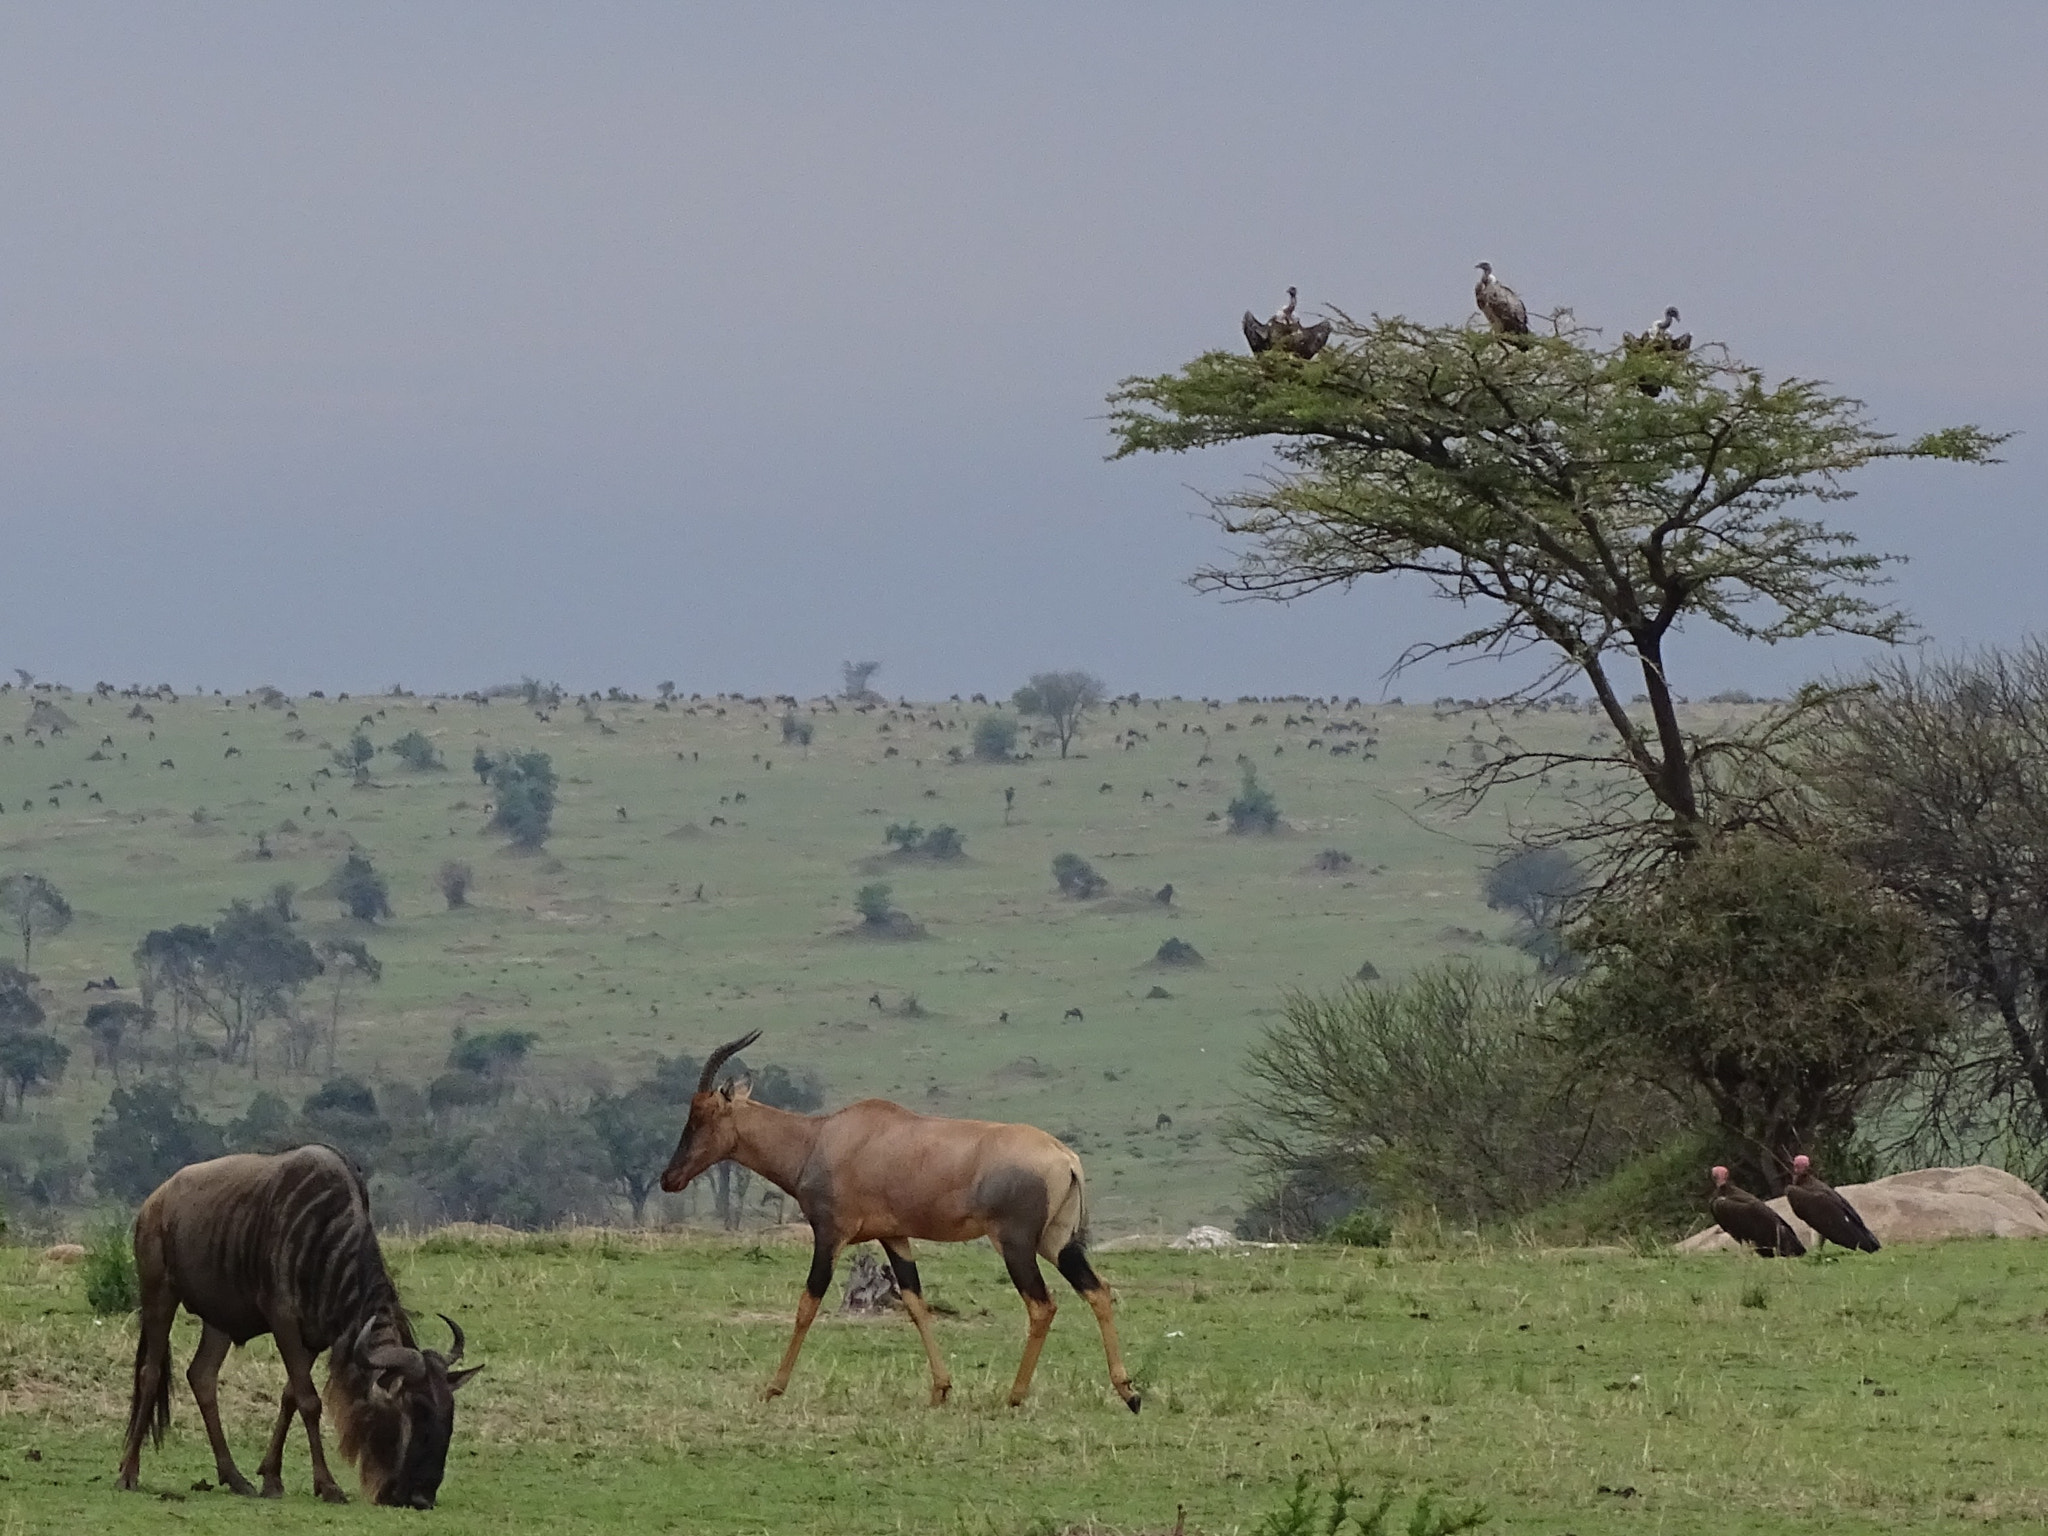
column 1076, row 877
column 108, row 1270
column 363, row 893
column 995, row 738
column 418, row 753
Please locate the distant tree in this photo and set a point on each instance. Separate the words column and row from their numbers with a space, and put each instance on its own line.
column 480, row 764
column 1254, row 809
column 637, row 1131
column 354, row 758
column 37, row 1167
column 34, row 908
column 455, row 880
column 492, row 1056
column 995, row 738
column 533, row 1166
column 906, row 836
column 1061, row 699
column 29, row 1059
column 796, row 1089
column 1538, row 885
column 111, row 1026
column 284, row 900
column 364, row 894
column 253, row 969
column 418, row 753
column 267, row 1125
column 797, row 731
column 345, row 963
column 170, row 964
column 343, row 1113
column 20, row 1009
column 524, row 783
column 872, row 903
column 148, row 1132
column 1076, row 877
column 855, row 678
column 667, row 691
column 943, row 842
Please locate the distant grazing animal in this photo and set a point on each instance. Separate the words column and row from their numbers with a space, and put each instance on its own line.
column 1144, row 794
column 232, row 752
column 95, row 795
column 1824, row 1210
column 621, row 812
column 167, row 763
column 875, row 1170
column 1501, row 305
column 875, row 1001
column 334, row 813
column 1162, row 1122
column 1164, row 895
column 1003, row 1017
column 1749, row 1220
column 1075, row 1015
column 283, row 1245
column 717, row 821
column 1105, row 789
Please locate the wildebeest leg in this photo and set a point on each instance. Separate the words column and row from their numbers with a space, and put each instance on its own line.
column 150, row 1404
column 824, row 1254
column 900, row 1260
column 1073, row 1263
column 1020, row 1257
column 203, row 1373
column 299, row 1393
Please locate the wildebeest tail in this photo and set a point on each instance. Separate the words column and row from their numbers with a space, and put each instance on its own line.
column 154, row 1412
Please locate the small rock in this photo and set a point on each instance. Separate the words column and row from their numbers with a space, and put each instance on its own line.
column 64, row 1253
column 1204, row 1237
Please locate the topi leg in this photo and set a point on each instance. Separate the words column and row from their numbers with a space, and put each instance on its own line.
column 203, row 1374
column 1073, row 1263
column 1020, row 1257
column 905, row 1267
column 824, row 1254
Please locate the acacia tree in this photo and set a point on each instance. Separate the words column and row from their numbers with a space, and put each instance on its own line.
column 344, row 962
column 1584, row 499
column 1061, row 698
column 33, row 908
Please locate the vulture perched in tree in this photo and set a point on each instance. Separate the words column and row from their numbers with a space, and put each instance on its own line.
column 1659, row 338
column 1501, row 305
column 1749, row 1220
column 1834, row 1218
column 1285, row 332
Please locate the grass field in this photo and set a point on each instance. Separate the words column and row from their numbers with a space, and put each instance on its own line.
column 599, row 944
column 1584, row 1392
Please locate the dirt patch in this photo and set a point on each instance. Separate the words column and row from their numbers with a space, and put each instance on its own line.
column 1025, row 1069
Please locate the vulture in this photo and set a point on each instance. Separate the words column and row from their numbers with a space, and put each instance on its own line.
column 1749, row 1220
column 1501, row 305
column 1285, row 332
column 1834, row 1218
column 1658, row 338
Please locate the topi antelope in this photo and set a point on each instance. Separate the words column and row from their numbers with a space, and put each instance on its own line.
column 877, row 1170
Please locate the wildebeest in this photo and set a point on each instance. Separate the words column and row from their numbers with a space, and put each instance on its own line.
column 282, row 1244
column 875, row 1170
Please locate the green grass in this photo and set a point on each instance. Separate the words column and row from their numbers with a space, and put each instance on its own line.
column 598, row 945
column 1589, row 1392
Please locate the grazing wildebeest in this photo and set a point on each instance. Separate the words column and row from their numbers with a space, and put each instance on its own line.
column 875, row 1170
column 1075, row 1015
column 283, row 1245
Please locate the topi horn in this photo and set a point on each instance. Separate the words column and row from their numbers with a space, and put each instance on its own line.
column 721, row 1056
column 455, row 1328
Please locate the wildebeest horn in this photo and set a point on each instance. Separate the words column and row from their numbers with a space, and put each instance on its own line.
column 455, row 1328
column 721, row 1056
column 388, row 1357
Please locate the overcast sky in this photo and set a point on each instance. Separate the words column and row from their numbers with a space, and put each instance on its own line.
column 441, row 343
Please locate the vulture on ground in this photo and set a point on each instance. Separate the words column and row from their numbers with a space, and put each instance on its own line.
column 1501, row 305
column 1822, row 1209
column 1285, row 332
column 1749, row 1220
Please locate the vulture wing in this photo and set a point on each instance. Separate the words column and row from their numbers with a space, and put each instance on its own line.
column 1834, row 1218
column 1307, row 341
column 1503, row 308
column 1748, row 1220
column 1680, row 343
column 1258, row 334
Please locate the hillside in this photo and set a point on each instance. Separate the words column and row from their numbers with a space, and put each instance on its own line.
column 699, row 884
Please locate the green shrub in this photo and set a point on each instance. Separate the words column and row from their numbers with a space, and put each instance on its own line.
column 1363, row 1228
column 995, row 738
column 1077, row 877
column 109, row 1270
column 872, row 903
column 417, row 753
column 944, row 842
column 1254, row 809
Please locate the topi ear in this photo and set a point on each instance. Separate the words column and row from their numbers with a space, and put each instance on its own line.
column 743, row 1089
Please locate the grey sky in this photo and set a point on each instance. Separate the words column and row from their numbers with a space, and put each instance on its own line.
column 440, row 343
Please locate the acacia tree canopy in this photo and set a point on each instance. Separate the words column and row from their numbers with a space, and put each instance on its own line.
column 1544, row 485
